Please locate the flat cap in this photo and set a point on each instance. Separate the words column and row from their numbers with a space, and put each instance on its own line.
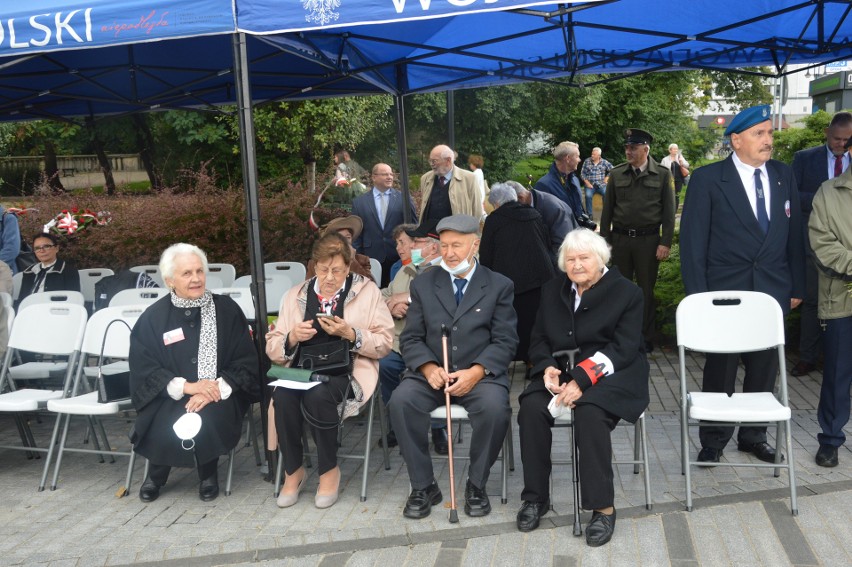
column 464, row 224
column 353, row 223
column 637, row 136
column 748, row 118
column 425, row 229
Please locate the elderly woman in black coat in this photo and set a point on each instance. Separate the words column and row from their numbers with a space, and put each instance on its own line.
column 599, row 312
column 515, row 243
column 190, row 352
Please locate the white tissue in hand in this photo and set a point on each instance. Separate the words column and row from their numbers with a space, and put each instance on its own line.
column 557, row 409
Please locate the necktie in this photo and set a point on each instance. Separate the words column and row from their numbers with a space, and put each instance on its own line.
column 383, row 205
column 39, row 279
column 838, row 165
column 637, row 171
column 459, row 283
column 762, row 217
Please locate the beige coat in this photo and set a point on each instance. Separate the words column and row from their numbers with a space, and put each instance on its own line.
column 464, row 193
column 364, row 309
column 400, row 284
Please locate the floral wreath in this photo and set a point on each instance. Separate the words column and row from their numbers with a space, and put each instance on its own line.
column 74, row 220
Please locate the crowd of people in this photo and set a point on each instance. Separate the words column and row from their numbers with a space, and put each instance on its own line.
column 464, row 293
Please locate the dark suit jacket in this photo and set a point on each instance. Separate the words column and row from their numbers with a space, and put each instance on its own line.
column 374, row 241
column 61, row 276
column 482, row 326
column 721, row 244
column 810, row 167
column 557, row 215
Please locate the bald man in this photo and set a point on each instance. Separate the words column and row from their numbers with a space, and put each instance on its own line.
column 448, row 190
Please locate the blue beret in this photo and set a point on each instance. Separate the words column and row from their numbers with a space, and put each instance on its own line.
column 748, row 118
column 464, row 224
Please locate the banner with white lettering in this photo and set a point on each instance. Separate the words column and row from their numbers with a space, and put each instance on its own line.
column 49, row 25
column 270, row 16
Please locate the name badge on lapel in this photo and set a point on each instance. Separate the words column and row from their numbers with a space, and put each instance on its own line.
column 173, row 336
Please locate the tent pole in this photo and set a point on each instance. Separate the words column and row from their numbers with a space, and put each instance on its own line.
column 451, row 119
column 402, row 149
column 250, row 183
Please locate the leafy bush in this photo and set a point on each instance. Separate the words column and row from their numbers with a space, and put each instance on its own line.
column 669, row 291
column 19, row 180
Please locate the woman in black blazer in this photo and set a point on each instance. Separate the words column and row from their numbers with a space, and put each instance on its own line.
column 49, row 273
column 599, row 312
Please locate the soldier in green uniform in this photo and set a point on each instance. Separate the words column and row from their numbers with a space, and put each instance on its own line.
column 639, row 201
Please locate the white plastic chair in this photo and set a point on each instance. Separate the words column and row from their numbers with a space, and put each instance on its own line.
column 74, row 297
column 213, row 281
column 152, row 270
column 734, row 322
column 137, row 296
column 88, row 278
column 296, row 271
column 242, row 296
column 17, row 280
column 276, row 286
column 376, row 270
column 107, row 335
column 225, row 272
column 49, row 329
column 242, row 282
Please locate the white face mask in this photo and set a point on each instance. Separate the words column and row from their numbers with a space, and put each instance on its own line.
column 461, row 268
column 417, row 256
column 186, row 428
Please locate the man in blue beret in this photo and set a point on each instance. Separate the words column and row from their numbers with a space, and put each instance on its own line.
column 741, row 230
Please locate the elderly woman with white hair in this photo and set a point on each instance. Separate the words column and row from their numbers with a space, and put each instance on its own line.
column 599, row 312
column 515, row 243
column 190, row 352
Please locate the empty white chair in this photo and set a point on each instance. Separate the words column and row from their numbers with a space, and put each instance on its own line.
column 734, row 322
column 226, row 273
column 242, row 281
column 74, row 297
column 213, row 281
column 88, row 278
column 242, row 296
column 137, row 296
column 17, row 279
column 296, row 271
column 276, row 286
column 152, row 270
column 376, row 270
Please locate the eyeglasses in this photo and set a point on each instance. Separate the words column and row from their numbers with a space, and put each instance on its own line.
column 44, row 247
column 434, row 161
column 322, row 271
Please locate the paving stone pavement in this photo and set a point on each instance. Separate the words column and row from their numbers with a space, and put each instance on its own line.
column 741, row 516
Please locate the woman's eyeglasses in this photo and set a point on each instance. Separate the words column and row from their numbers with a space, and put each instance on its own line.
column 44, row 247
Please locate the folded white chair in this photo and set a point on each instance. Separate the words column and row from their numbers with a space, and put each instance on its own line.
column 137, row 296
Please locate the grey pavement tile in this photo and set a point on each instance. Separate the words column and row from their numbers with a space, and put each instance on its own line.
column 449, row 558
column 650, row 538
column 423, row 555
column 677, row 537
column 480, row 551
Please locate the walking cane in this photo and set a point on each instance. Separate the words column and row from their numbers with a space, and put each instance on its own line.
column 575, row 470
column 454, row 513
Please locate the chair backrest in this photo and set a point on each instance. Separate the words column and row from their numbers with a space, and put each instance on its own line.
column 17, row 279
column 729, row 321
column 49, row 328
column 242, row 281
column 88, row 278
column 137, row 296
column 296, row 271
column 276, row 286
column 213, row 281
column 243, row 298
column 74, row 297
column 100, row 325
column 376, row 270
column 152, row 270
column 6, row 299
column 226, row 272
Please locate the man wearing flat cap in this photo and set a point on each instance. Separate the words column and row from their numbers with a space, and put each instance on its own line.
column 638, row 220
column 475, row 306
column 741, row 230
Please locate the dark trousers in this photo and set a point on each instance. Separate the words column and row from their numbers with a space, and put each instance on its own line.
column 833, row 410
column 636, row 258
column 487, row 405
column 320, row 405
column 160, row 473
column 810, row 337
column 720, row 374
column 592, row 427
column 391, row 368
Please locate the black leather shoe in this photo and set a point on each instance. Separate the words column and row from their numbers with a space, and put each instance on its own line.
column 392, row 442
column 709, row 455
column 600, row 529
column 476, row 501
column 209, row 488
column 530, row 514
column 420, row 501
column 763, row 451
column 439, row 440
column 149, row 491
column 826, row 456
column 803, row 368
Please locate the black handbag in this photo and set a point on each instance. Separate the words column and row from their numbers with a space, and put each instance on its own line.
column 332, row 358
column 112, row 387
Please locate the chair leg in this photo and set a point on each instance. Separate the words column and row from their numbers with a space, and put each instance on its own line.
column 511, row 447
column 383, row 424
column 575, row 479
column 230, row 472
column 367, row 444
column 278, row 467
column 791, row 472
column 684, row 451
column 49, row 452
column 778, row 433
column 645, row 462
column 504, row 465
column 129, row 478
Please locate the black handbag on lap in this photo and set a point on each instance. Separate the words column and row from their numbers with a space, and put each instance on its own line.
column 332, row 357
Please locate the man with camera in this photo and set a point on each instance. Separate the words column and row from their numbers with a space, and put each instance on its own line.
column 639, row 202
column 562, row 182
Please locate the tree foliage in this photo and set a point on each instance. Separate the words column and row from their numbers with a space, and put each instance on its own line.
column 788, row 142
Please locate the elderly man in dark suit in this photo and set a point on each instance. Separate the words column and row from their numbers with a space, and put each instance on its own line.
column 558, row 216
column 475, row 305
column 741, row 230
column 812, row 167
column 381, row 210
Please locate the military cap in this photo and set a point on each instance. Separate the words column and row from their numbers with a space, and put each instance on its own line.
column 425, row 229
column 637, row 136
column 464, row 224
column 748, row 118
